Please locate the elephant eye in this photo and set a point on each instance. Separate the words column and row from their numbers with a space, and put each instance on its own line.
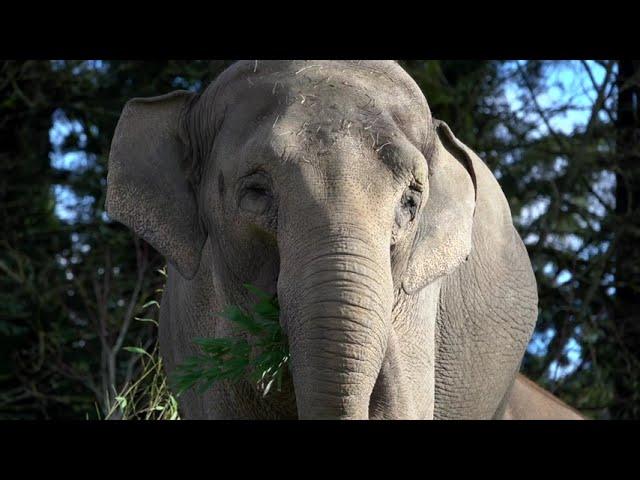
column 409, row 203
column 405, row 212
column 255, row 199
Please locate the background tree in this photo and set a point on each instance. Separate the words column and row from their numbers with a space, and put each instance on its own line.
column 626, row 313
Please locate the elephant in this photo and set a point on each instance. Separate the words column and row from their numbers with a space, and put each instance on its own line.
column 405, row 291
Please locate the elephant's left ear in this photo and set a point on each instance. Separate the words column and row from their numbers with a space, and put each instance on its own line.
column 147, row 185
column 444, row 237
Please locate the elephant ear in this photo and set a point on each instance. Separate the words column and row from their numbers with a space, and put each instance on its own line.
column 147, row 186
column 443, row 240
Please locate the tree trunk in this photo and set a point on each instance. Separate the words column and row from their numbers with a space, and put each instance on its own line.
column 626, row 372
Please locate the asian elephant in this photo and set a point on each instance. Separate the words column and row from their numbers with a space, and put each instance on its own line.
column 405, row 291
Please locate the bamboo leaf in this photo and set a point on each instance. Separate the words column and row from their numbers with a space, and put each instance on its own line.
column 138, row 350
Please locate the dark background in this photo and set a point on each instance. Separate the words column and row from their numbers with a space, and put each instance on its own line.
column 78, row 292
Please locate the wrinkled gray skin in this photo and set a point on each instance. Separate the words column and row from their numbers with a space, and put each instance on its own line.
column 405, row 291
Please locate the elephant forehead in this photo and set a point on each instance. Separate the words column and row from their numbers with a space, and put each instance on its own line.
column 337, row 147
column 328, row 97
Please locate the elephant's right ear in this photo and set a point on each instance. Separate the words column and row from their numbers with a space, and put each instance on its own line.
column 147, row 188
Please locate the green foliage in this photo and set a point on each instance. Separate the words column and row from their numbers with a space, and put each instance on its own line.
column 148, row 397
column 145, row 395
column 260, row 353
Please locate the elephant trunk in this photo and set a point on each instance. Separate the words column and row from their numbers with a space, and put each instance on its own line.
column 336, row 299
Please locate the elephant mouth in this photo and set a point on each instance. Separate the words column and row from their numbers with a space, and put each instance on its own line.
column 388, row 401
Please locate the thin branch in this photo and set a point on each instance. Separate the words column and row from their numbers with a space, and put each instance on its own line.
column 539, row 109
column 600, row 89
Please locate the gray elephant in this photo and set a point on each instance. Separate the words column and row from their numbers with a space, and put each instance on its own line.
column 405, row 291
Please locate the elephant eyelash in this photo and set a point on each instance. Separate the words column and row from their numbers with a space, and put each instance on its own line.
column 416, row 185
column 257, row 188
column 257, row 180
column 255, row 195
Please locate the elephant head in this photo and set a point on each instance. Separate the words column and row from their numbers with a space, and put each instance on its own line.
column 328, row 182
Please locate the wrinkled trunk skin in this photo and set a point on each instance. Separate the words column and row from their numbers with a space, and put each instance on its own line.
column 335, row 292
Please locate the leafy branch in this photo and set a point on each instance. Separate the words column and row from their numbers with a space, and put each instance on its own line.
column 233, row 359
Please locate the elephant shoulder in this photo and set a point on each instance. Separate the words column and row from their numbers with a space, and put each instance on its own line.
column 499, row 254
column 488, row 309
